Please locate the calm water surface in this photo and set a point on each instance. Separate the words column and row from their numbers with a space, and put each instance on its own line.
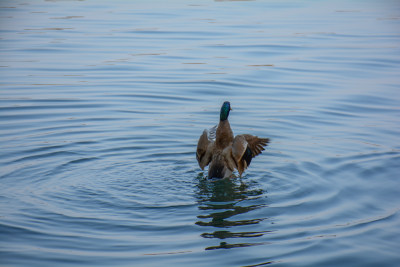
column 102, row 103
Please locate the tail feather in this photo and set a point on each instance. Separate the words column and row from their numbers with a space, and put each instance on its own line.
column 216, row 171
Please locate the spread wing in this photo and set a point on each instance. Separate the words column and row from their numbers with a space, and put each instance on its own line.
column 205, row 147
column 245, row 147
column 256, row 144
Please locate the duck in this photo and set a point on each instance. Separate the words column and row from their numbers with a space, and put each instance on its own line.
column 224, row 152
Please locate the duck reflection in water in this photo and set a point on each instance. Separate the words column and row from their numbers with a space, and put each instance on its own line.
column 220, row 201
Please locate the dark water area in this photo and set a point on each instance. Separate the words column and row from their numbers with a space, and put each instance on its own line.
column 102, row 104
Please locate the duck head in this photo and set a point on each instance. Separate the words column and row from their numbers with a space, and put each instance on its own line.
column 225, row 109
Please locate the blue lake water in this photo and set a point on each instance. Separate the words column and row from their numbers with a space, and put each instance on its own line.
column 102, row 104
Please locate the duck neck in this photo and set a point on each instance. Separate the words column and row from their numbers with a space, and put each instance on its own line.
column 224, row 134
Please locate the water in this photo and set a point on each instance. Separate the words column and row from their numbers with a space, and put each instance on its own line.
column 102, row 104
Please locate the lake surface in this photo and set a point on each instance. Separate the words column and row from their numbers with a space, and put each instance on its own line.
column 102, row 104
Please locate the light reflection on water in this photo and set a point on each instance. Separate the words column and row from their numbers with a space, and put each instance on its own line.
column 101, row 106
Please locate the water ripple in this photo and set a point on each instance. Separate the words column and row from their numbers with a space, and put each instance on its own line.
column 101, row 107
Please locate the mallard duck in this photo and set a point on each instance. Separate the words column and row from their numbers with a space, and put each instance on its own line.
column 219, row 148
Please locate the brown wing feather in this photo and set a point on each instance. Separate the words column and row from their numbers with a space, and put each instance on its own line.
column 256, row 144
column 239, row 147
column 204, row 150
column 241, row 153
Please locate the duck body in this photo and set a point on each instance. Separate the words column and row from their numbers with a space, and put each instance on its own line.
column 224, row 139
column 227, row 153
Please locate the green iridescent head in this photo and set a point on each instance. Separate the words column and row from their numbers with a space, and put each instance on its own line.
column 226, row 107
